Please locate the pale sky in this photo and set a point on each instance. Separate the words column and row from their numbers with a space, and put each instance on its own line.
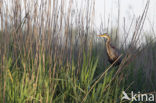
column 105, row 9
column 128, row 9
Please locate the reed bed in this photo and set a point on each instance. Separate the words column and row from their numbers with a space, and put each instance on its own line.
column 49, row 53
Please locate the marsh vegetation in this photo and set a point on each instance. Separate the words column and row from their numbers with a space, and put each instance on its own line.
column 49, row 53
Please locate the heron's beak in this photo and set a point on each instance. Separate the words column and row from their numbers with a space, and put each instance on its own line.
column 103, row 35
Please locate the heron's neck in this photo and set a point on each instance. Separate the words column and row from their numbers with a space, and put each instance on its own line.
column 108, row 42
column 108, row 45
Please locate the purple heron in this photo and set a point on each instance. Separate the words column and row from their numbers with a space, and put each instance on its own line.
column 112, row 52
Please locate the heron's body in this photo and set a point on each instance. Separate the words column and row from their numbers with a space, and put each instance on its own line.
column 111, row 51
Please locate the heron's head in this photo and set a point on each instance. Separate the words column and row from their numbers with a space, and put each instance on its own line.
column 105, row 35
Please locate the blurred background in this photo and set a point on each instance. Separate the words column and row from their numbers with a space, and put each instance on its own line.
column 50, row 52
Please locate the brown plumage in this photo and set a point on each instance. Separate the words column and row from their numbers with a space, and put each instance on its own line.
column 112, row 52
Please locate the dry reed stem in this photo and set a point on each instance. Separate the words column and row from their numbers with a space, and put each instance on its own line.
column 102, row 75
